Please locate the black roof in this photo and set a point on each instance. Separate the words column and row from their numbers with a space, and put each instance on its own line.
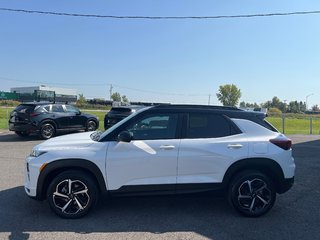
column 231, row 112
column 35, row 103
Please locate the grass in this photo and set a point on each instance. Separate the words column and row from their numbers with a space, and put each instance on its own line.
column 299, row 124
column 296, row 125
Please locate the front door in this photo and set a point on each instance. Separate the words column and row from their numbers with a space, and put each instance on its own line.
column 149, row 161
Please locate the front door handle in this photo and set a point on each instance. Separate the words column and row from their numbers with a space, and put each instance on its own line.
column 167, row 147
column 235, row 146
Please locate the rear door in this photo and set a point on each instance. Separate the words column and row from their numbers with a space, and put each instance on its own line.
column 59, row 116
column 149, row 161
column 76, row 119
column 210, row 145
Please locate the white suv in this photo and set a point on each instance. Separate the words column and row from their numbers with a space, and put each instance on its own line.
column 162, row 150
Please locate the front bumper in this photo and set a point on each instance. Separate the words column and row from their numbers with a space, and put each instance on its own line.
column 31, row 178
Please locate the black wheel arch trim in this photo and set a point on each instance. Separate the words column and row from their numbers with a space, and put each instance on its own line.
column 267, row 166
column 48, row 120
column 54, row 168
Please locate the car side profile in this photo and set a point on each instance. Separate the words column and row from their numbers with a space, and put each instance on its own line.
column 46, row 119
column 165, row 149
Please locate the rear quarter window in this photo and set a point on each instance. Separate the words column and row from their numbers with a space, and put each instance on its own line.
column 207, row 125
column 25, row 108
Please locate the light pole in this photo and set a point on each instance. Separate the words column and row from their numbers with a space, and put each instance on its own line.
column 307, row 100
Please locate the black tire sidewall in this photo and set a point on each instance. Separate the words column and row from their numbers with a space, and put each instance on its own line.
column 242, row 177
column 73, row 175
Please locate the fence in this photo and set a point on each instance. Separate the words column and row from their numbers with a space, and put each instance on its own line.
column 296, row 125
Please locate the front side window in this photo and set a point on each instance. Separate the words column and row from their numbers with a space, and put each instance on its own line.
column 207, row 125
column 72, row 109
column 155, row 126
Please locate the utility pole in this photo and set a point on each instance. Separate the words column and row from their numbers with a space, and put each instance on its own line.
column 110, row 91
column 209, row 99
column 307, row 100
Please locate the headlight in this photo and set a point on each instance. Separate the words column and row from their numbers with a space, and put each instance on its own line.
column 36, row 153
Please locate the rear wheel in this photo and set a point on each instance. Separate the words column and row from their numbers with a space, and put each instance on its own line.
column 22, row 134
column 252, row 193
column 72, row 194
column 47, row 131
column 91, row 126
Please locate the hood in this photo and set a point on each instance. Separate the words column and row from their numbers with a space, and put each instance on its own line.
column 76, row 140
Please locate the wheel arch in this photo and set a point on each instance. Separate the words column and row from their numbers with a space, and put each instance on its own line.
column 267, row 166
column 48, row 120
column 56, row 167
column 93, row 119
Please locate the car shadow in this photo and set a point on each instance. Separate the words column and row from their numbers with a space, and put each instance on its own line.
column 294, row 216
column 12, row 137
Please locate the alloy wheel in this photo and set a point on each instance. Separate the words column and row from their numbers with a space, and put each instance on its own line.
column 254, row 195
column 71, row 196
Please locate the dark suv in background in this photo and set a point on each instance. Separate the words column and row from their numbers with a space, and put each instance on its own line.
column 47, row 119
column 116, row 114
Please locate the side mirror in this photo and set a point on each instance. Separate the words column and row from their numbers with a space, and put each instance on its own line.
column 124, row 136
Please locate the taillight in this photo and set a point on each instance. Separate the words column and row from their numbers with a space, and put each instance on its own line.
column 285, row 144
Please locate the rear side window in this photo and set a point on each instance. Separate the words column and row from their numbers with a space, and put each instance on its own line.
column 207, row 125
column 25, row 108
column 121, row 110
column 42, row 109
column 57, row 108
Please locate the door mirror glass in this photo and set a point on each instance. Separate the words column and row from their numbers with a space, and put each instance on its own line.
column 124, row 136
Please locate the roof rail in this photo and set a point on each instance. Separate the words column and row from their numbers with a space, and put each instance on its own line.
column 197, row 106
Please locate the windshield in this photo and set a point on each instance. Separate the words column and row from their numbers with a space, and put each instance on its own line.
column 109, row 130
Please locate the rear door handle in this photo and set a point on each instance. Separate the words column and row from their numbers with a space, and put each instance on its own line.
column 167, row 147
column 235, row 146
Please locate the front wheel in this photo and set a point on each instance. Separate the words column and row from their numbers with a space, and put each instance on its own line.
column 252, row 193
column 72, row 194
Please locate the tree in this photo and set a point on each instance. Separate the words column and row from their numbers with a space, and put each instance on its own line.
column 315, row 108
column 229, row 95
column 125, row 99
column 116, row 97
column 81, row 100
column 243, row 104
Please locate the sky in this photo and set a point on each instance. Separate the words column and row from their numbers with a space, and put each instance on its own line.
column 177, row 61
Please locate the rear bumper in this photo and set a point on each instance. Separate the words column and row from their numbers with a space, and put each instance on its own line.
column 286, row 185
column 22, row 127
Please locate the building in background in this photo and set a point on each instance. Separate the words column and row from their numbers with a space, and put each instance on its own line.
column 45, row 93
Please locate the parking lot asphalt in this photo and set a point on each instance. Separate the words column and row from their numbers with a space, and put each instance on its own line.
column 295, row 215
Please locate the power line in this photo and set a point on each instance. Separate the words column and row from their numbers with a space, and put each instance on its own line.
column 54, row 83
column 161, row 17
column 112, row 86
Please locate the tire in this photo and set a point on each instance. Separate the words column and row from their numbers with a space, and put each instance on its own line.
column 91, row 126
column 68, row 202
column 22, row 134
column 47, row 130
column 252, row 193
